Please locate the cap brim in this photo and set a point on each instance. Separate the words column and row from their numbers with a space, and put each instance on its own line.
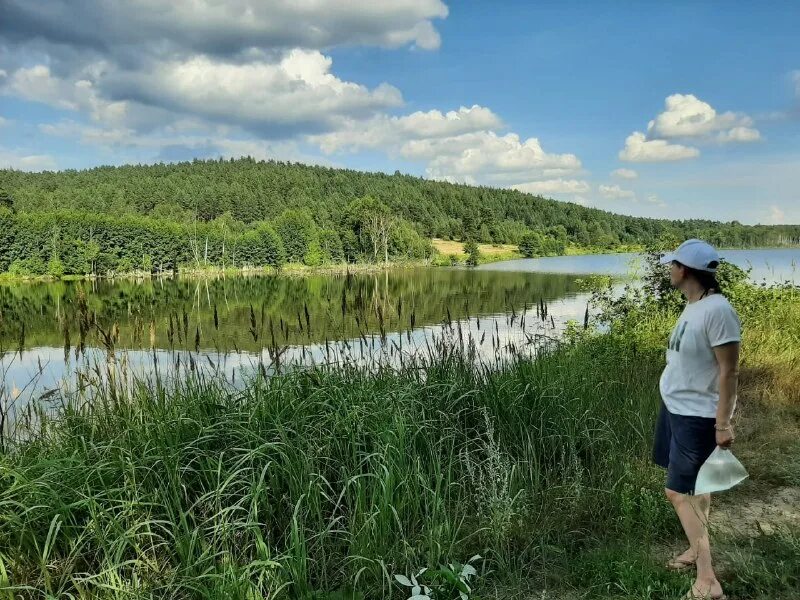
column 667, row 258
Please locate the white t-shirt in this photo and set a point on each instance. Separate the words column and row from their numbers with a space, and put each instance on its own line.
column 690, row 382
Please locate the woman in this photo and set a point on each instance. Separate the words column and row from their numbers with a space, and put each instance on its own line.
column 698, row 389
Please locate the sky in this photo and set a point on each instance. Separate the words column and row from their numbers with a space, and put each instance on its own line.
column 670, row 110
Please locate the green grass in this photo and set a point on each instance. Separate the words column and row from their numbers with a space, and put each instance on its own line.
column 326, row 483
column 324, row 479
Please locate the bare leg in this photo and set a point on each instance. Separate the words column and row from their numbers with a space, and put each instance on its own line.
column 689, row 556
column 693, row 513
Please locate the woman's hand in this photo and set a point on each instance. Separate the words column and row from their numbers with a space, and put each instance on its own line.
column 725, row 437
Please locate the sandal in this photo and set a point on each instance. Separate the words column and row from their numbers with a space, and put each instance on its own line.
column 690, row 595
column 680, row 565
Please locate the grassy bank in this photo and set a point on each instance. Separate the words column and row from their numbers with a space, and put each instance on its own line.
column 450, row 251
column 328, row 483
column 287, row 270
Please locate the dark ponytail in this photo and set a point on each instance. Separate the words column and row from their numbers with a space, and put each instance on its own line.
column 707, row 279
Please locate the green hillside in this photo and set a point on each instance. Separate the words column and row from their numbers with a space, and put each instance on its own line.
column 247, row 212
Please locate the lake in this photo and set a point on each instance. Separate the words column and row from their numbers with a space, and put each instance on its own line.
column 772, row 265
column 52, row 332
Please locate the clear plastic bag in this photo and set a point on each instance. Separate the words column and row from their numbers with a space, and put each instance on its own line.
column 720, row 472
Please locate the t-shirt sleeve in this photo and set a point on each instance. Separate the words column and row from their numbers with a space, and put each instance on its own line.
column 723, row 325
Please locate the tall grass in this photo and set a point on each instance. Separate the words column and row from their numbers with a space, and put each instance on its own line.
column 329, row 479
column 325, row 482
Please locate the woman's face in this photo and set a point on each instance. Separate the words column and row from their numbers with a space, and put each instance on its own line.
column 676, row 273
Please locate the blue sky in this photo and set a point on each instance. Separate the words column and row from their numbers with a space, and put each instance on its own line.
column 679, row 110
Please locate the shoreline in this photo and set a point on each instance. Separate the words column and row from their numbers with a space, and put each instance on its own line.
column 301, row 270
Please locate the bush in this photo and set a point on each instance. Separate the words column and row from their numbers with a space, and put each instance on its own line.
column 28, row 267
column 314, row 256
column 297, row 232
column 331, row 245
column 530, row 245
column 55, row 268
column 473, row 253
column 261, row 246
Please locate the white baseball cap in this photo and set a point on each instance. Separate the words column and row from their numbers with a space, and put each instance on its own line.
column 695, row 254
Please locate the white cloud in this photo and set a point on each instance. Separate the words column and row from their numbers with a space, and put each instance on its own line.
column 384, row 131
column 776, row 215
column 91, row 134
column 553, row 186
column 298, row 89
column 212, row 27
column 172, row 144
column 489, row 157
column 614, row 192
column 656, row 201
column 795, row 75
column 686, row 116
column 460, row 146
column 39, row 84
column 22, row 161
column 210, row 76
column 625, row 174
column 739, row 134
column 3, row 122
column 639, row 149
column 254, row 65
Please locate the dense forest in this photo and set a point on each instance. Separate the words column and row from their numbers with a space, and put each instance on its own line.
column 254, row 213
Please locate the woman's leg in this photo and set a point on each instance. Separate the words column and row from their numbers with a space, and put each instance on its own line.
column 689, row 556
column 693, row 514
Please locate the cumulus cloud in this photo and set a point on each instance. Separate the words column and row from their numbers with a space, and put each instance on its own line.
column 460, row 146
column 210, row 76
column 739, row 134
column 181, row 143
column 614, row 192
column 625, row 174
column 796, row 80
column 39, row 84
column 489, row 157
column 23, row 161
column 223, row 28
column 554, row 186
column 384, row 131
column 639, row 149
column 299, row 89
column 255, row 65
column 686, row 116
column 3, row 122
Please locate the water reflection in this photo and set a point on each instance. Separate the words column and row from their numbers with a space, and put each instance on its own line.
column 63, row 337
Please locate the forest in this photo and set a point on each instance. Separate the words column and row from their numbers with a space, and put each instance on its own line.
column 244, row 212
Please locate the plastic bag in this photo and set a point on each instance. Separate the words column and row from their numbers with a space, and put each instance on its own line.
column 720, row 472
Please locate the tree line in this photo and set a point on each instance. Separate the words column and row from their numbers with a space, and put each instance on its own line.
column 241, row 212
column 82, row 243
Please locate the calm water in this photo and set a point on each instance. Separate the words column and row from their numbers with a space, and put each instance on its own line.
column 772, row 266
column 50, row 333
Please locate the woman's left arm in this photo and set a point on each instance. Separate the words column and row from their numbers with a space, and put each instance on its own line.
column 728, row 360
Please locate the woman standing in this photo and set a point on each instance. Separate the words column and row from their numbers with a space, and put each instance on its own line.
column 698, row 389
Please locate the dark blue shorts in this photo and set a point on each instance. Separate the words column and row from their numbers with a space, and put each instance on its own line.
column 681, row 445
